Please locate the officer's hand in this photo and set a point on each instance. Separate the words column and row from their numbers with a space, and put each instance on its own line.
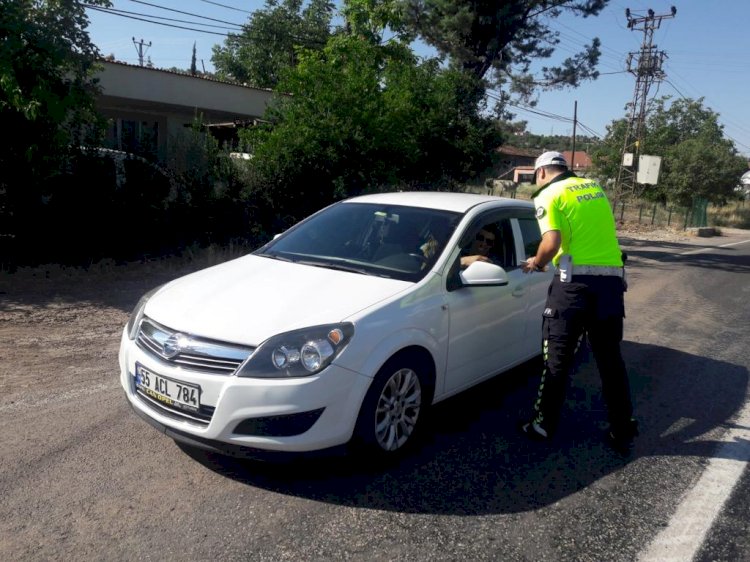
column 529, row 266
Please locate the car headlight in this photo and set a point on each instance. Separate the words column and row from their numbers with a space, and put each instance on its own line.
column 299, row 353
column 135, row 317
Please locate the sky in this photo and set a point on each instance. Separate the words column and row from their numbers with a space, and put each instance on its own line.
column 705, row 44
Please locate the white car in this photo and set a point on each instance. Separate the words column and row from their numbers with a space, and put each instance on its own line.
column 342, row 330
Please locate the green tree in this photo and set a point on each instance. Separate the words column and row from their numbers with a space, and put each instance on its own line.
column 358, row 117
column 607, row 154
column 357, row 110
column 270, row 40
column 47, row 95
column 499, row 41
column 698, row 161
column 519, row 137
column 46, row 66
column 370, row 19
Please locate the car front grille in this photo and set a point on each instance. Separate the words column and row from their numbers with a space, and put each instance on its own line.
column 191, row 353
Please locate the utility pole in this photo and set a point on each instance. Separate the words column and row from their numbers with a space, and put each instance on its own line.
column 646, row 66
column 575, row 122
column 139, row 49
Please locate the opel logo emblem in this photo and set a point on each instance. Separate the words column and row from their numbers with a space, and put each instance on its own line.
column 172, row 346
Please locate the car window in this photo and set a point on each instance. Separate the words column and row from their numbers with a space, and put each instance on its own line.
column 493, row 238
column 531, row 235
column 490, row 235
column 506, row 247
column 392, row 241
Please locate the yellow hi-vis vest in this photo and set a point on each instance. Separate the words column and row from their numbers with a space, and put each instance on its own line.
column 579, row 209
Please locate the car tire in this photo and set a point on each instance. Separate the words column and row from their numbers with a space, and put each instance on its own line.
column 395, row 407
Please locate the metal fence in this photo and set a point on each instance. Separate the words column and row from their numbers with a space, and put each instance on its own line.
column 655, row 214
column 699, row 214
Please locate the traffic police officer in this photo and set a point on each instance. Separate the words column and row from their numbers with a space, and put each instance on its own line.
column 586, row 294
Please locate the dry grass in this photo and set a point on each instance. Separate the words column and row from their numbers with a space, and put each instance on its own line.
column 191, row 259
column 734, row 215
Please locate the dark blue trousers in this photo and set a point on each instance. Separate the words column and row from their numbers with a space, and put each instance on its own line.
column 594, row 304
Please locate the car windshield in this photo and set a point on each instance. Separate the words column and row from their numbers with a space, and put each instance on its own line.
column 371, row 239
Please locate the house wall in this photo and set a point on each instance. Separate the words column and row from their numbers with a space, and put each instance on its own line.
column 160, row 87
column 141, row 103
column 510, row 159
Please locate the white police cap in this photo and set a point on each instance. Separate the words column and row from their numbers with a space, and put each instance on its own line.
column 550, row 158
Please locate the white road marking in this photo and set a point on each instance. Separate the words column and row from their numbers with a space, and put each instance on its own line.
column 701, row 250
column 687, row 529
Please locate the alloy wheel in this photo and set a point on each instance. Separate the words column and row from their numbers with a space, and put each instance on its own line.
column 397, row 409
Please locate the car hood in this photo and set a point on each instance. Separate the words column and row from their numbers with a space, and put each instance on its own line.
column 252, row 298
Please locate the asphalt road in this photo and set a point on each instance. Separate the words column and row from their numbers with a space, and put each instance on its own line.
column 83, row 478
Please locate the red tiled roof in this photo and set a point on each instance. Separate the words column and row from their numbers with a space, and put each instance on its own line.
column 513, row 151
column 582, row 162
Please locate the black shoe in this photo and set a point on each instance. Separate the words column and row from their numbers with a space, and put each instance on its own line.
column 532, row 431
column 621, row 440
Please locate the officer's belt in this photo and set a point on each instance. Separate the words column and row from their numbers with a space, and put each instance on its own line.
column 604, row 270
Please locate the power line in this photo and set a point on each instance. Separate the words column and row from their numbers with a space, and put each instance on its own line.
column 604, row 47
column 225, row 6
column 117, row 12
column 735, row 141
column 727, row 123
column 568, row 44
column 590, row 131
column 676, row 89
column 546, row 114
column 711, row 63
column 158, row 23
column 181, row 12
column 551, row 116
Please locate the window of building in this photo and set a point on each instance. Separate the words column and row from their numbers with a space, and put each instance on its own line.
column 137, row 136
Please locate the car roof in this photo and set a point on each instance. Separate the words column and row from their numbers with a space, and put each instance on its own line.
column 458, row 202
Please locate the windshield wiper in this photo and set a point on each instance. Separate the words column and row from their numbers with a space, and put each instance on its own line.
column 327, row 264
column 334, row 265
column 339, row 266
column 275, row 256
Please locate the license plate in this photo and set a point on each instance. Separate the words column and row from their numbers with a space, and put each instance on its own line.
column 168, row 391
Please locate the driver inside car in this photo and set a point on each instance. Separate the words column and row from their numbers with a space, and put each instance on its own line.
column 480, row 247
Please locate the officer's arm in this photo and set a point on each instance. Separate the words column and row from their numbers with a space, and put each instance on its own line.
column 548, row 248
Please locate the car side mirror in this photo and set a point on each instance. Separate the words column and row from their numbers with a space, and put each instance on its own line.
column 483, row 273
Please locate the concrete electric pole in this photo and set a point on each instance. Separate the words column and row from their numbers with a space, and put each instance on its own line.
column 646, row 66
column 139, row 49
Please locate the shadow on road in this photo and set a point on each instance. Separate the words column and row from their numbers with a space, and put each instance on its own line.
column 710, row 256
column 474, row 463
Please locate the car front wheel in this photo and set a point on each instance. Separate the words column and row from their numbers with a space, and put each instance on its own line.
column 394, row 409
